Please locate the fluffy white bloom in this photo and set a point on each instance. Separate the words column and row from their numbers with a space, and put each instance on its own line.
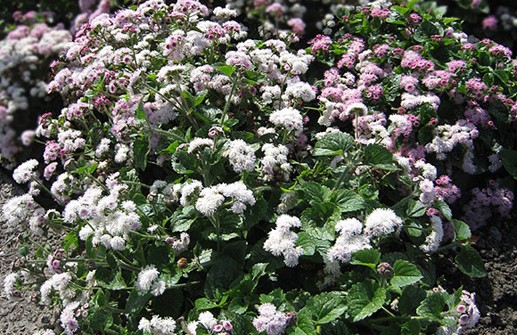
column 157, row 325
column 299, row 90
column 447, row 137
column 103, row 147
column 210, row 199
column 288, row 118
column 350, row 240
column 198, row 143
column 44, row 332
column 428, row 193
column 282, row 241
column 158, row 288
column 428, row 170
column 238, row 192
column 208, row 320
column 58, row 282
column 275, row 161
column 187, row 190
column 123, row 153
column 10, row 285
column 270, row 321
column 68, row 319
column 433, row 240
column 381, row 221
column 25, row 172
column 23, row 209
column 241, row 156
column 146, row 278
column 349, row 227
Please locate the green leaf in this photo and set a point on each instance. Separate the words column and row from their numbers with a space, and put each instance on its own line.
column 140, row 113
column 200, row 97
column 411, row 327
column 378, row 156
column 470, row 262
column 116, row 283
column 348, row 201
column 432, row 306
column 226, row 69
column 509, row 160
column 136, row 302
column 415, row 209
column 405, row 273
column 461, row 230
column 366, row 257
column 183, row 218
column 315, row 193
column 410, row 299
column 71, row 240
column 325, row 307
column 140, row 151
column 334, row 144
column 100, row 319
column 307, row 242
column 304, row 326
column 171, row 148
column 222, row 273
column 445, row 209
column 203, row 304
column 364, row 299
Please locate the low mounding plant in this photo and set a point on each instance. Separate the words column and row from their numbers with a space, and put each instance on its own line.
column 206, row 183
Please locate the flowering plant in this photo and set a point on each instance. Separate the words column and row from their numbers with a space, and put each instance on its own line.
column 207, row 183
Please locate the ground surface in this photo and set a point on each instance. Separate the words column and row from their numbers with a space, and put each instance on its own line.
column 19, row 316
column 496, row 293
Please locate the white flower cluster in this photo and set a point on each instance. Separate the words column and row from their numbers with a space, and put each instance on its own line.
column 212, row 198
column 157, row 325
column 275, row 161
column 10, row 285
column 241, row 156
column 382, row 221
column 282, row 241
column 26, row 172
column 148, row 279
column 353, row 236
column 59, row 282
column 447, row 137
column 110, row 219
column 24, row 209
column 68, row 318
column 288, row 118
column 433, row 240
column 349, row 241
column 271, row 321
column 211, row 324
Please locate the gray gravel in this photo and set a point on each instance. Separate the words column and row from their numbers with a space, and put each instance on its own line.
column 18, row 316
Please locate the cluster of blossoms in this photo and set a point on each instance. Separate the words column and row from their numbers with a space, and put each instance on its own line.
column 271, row 321
column 368, row 75
column 25, row 54
column 210, row 324
column 181, row 136
column 466, row 313
column 282, row 241
column 354, row 236
column 487, row 201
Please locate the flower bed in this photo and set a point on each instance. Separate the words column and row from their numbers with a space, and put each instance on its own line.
column 209, row 183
